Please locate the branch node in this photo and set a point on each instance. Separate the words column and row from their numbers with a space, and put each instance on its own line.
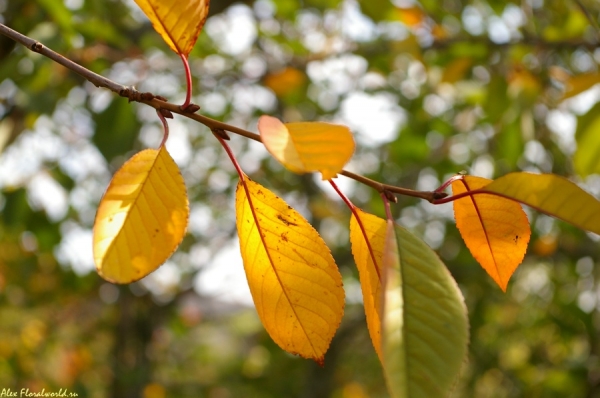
column 37, row 47
column 147, row 96
column 166, row 113
column 221, row 133
column 439, row 195
column 390, row 196
column 135, row 96
column 191, row 108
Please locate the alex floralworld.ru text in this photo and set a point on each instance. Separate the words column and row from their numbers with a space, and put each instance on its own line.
column 26, row 392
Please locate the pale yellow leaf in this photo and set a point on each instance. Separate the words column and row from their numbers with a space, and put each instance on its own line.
column 295, row 283
column 551, row 194
column 580, row 83
column 308, row 146
column 179, row 22
column 141, row 218
column 368, row 252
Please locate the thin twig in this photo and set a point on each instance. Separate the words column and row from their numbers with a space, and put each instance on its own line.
column 36, row 46
column 165, row 128
column 388, row 211
column 427, row 195
column 157, row 103
column 590, row 18
column 188, row 80
column 361, row 226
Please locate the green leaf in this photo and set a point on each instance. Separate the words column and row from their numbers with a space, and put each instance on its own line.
column 377, row 10
column 551, row 194
column 586, row 156
column 509, row 145
column 425, row 327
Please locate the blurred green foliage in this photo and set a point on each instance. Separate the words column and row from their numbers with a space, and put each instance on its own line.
column 429, row 87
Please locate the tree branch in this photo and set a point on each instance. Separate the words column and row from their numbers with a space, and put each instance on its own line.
column 36, row 46
column 590, row 18
column 526, row 40
column 159, row 104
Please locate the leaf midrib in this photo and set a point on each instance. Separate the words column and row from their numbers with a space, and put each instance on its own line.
column 272, row 263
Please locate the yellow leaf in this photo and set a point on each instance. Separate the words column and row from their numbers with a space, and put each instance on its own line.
column 295, row 283
column 142, row 217
column 178, row 22
column 585, row 158
column 308, row 146
column 354, row 390
column 368, row 261
column 523, row 82
column 439, row 32
column 154, row 390
column 580, row 83
column 550, row 194
column 495, row 230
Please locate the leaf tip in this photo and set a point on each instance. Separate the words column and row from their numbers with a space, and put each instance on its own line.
column 502, row 284
column 268, row 124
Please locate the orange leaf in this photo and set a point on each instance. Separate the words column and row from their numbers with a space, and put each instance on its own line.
column 295, row 283
column 142, row 217
column 412, row 16
column 545, row 245
column 178, row 22
column 308, row 146
column 495, row 230
column 368, row 258
column 285, row 81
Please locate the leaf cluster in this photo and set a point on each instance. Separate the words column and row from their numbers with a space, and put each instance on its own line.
column 502, row 135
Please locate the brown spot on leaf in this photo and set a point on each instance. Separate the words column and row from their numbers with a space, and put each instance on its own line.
column 286, row 222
